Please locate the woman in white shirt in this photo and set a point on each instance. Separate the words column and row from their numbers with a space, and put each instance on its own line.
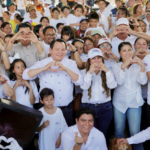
column 127, row 99
column 98, row 81
column 25, row 92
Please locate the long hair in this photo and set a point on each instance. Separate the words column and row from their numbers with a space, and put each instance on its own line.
column 103, row 76
column 12, row 75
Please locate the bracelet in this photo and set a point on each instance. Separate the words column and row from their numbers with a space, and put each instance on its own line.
column 75, row 51
column 138, row 26
column 3, row 51
column 2, row 83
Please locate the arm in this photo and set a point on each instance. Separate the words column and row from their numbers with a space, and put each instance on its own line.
column 148, row 74
column 43, row 126
column 2, row 34
column 5, row 60
column 111, row 83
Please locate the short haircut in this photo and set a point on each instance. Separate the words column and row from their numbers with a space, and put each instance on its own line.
column 141, row 38
column 25, row 25
column 46, row 92
column 84, row 110
column 124, row 9
column 65, row 7
column 56, row 9
column 4, row 24
column 77, row 40
column 7, row 12
column 57, row 40
column 93, row 15
column 67, row 30
column 88, row 38
column 37, row 29
column 44, row 18
column 48, row 27
column 59, row 24
column 8, row 35
column 79, row 6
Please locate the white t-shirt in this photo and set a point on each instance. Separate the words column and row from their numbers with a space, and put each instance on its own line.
column 46, row 46
column 103, row 20
column 13, row 14
column 47, row 11
column 146, row 61
column 49, row 135
column 54, row 22
column 36, row 20
column 106, row 12
column 84, row 57
column 20, row 5
column 24, row 98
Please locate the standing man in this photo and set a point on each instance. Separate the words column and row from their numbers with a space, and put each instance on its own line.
column 58, row 73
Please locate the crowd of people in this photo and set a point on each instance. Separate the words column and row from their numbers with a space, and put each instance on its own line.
column 87, row 68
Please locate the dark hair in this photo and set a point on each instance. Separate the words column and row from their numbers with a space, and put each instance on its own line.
column 37, row 29
column 2, row 19
column 141, row 21
column 124, row 9
column 77, row 40
column 7, row 12
column 57, row 40
column 79, row 6
column 19, row 17
column 141, row 38
column 56, row 9
column 59, row 24
column 44, row 18
column 146, row 4
column 4, row 24
column 46, row 92
column 67, row 30
column 12, row 75
column 88, row 38
column 93, row 15
column 102, row 1
column 121, row 45
column 25, row 25
column 8, row 35
column 65, row 7
column 48, row 27
column 84, row 110
column 136, row 7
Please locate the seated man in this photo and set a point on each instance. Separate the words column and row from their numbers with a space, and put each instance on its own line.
column 83, row 135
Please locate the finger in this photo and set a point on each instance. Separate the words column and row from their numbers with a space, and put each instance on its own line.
column 1, row 146
column 3, row 138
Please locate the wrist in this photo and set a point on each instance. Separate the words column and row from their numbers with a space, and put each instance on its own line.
column 3, row 82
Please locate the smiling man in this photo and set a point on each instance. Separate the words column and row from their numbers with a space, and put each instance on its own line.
column 83, row 136
column 58, row 73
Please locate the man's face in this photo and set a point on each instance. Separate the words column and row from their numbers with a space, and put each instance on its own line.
column 84, row 25
column 118, row 4
column 93, row 23
column 33, row 13
column 49, row 36
column 12, row 8
column 121, row 14
column 58, row 52
column 85, row 123
column 101, row 5
column 55, row 14
column 96, row 37
column 25, row 35
column 131, row 3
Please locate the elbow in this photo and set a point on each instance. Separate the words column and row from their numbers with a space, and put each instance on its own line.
column 7, row 67
column 10, row 93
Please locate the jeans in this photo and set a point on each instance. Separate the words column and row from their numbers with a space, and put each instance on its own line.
column 68, row 114
column 133, row 116
column 22, row 12
column 103, row 115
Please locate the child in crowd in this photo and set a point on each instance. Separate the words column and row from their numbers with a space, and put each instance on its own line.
column 66, row 11
column 52, row 124
column 38, row 31
column 25, row 92
column 59, row 29
column 44, row 21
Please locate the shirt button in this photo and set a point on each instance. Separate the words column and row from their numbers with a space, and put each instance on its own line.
column 58, row 75
column 60, row 97
column 51, row 76
column 59, row 90
column 59, row 82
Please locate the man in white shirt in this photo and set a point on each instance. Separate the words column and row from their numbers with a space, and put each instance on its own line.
column 83, row 136
column 33, row 17
column 12, row 10
column 49, row 35
column 58, row 73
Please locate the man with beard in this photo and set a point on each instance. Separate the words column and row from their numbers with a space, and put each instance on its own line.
column 84, row 24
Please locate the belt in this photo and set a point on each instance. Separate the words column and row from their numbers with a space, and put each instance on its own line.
column 97, row 104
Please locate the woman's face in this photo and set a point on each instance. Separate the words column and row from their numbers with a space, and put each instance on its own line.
column 139, row 9
column 143, row 26
column 7, row 29
column 45, row 22
column 140, row 44
column 105, row 47
column 78, row 12
column 87, row 46
column 97, row 60
column 19, row 68
column 40, row 34
column 5, row 16
column 101, row 5
column 65, row 37
column 79, row 47
column 126, row 52
column 148, row 5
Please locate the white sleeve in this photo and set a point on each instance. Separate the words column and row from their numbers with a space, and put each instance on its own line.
column 87, row 81
column 119, row 74
column 111, row 83
column 140, row 137
column 142, row 78
column 35, row 91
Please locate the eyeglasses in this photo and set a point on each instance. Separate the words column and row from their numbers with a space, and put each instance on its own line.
column 148, row 15
column 50, row 34
column 107, row 46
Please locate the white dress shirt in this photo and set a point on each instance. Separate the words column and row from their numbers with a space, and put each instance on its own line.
column 140, row 137
column 115, row 43
column 146, row 61
column 60, row 82
column 97, row 95
column 96, row 139
column 24, row 98
column 47, row 47
column 128, row 93
column 106, row 12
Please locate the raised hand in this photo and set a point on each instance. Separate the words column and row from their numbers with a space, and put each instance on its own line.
column 46, row 124
column 93, row 67
column 71, row 47
column 78, row 140
column 103, row 67
column 122, row 141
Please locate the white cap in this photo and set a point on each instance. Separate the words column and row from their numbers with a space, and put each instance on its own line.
column 122, row 21
column 94, row 52
column 47, row 2
column 104, row 40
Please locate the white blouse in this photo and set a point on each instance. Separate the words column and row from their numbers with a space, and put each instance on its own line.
column 24, row 98
column 97, row 95
column 128, row 93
